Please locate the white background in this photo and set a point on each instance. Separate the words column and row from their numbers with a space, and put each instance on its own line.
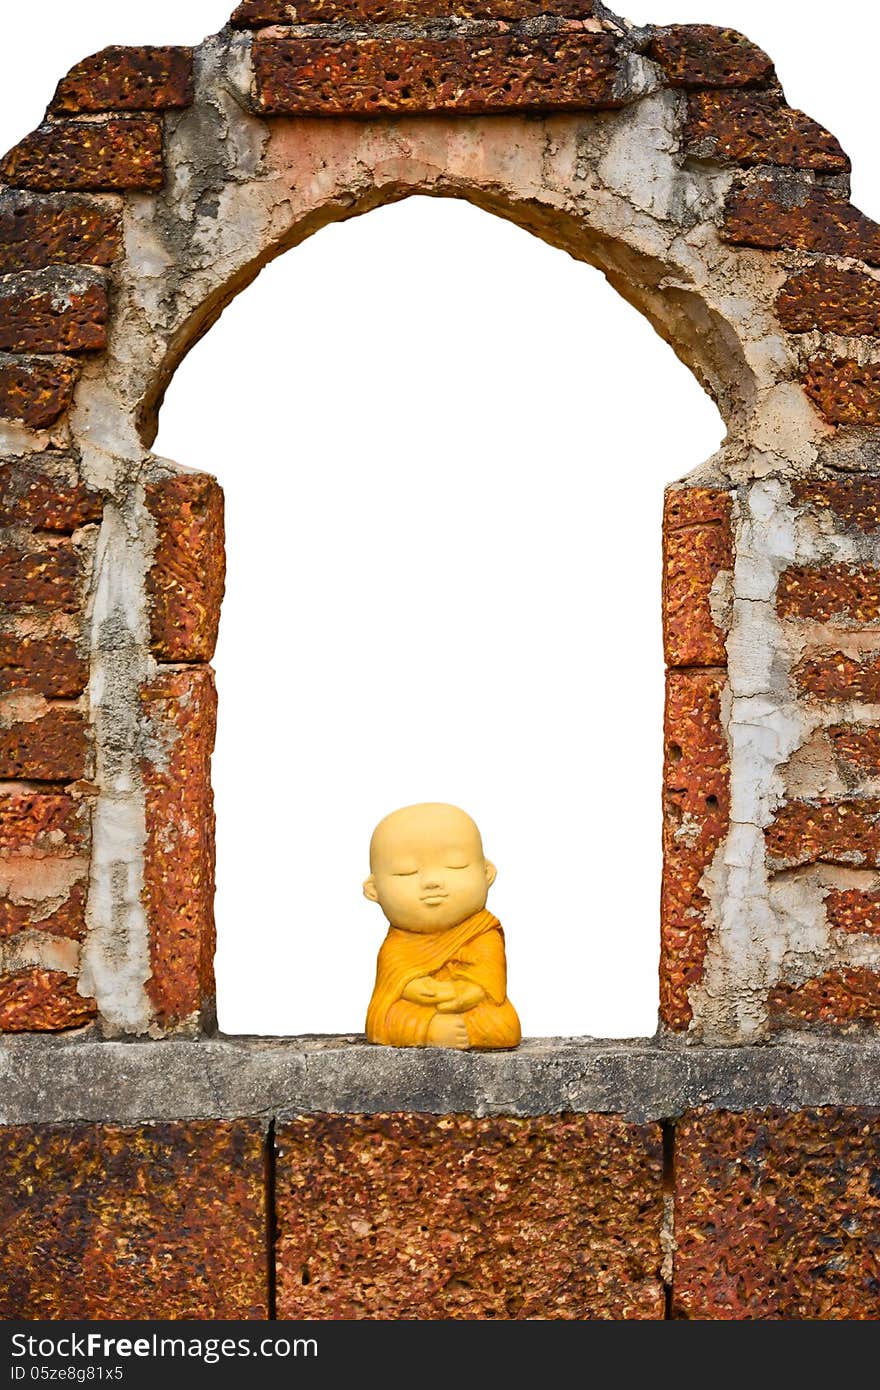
column 444, row 447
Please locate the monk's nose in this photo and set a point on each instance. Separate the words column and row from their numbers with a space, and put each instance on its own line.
column 431, row 883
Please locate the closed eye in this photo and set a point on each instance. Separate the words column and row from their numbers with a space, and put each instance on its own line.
column 458, row 866
column 404, row 873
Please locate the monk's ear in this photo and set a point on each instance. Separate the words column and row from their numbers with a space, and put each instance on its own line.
column 491, row 872
column 370, row 890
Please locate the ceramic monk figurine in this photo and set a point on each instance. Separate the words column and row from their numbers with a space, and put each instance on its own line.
column 441, row 979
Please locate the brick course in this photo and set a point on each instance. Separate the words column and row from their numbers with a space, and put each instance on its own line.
column 162, row 1221
column 57, row 310
column 756, row 128
column 777, row 1215
column 840, row 593
column 128, row 79
column 40, row 232
column 122, row 154
column 845, row 391
column 42, row 1001
column 772, row 216
column 830, row 300
column 187, row 578
column 556, row 1217
column 181, row 705
column 701, row 55
column 35, row 390
column 493, row 73
column 257, row 13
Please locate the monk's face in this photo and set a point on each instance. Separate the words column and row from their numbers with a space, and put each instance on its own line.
column 428, row 868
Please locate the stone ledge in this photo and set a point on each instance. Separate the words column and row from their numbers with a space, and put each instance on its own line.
column 57, row 1081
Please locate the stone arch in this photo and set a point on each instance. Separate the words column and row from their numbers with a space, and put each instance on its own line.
column 160, row 183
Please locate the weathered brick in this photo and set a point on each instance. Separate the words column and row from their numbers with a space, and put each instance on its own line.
column 697, row 547
column 700, row 55
column 163, row 1221
column 854, row 502
column 49, row 665
column 42, row 573
column 830, row 832
column 39, row 232
column 839, row 593
column 842, row 999
column 254, row 14
column 42, row 1001
column 181, row 705
column 847, row 392
column 68, row 919
column 857, row 749
column 833, row 676
column 848, row 910
column 40, row 822
column 777, row 1215
column 187, row 577
column 696, row 799
column 53, row 747
column 89, row 156
column 36, row 390
column 58, row 310
column 44, row 494
column 496, row 72
column 128, row 79
column 773, row 216
column 829, row 300
column 453, row 1217
column 757, row 128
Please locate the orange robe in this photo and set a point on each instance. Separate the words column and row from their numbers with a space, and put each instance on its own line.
column 472, row 951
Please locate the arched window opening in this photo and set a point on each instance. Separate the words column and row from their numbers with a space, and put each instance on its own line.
column 444, row 446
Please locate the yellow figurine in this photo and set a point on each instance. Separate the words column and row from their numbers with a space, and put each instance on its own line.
column 441, row 980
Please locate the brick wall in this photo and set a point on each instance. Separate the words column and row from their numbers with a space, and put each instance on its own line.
column 111, row 562
column 762, row 1214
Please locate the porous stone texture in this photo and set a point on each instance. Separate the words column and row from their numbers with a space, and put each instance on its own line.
column 46, row 494
column 187, row 578
column 128, row 79
column 852, row 911
column 829, row 299
column 701, row 55
column 257, row 13
column 57, row 310
column 181, row 707
column 836, row 676
column 698, row 548
column 777, row 1216
column 846, row 391
column 696, row 814
column 40, row 232
column 110, row 155
column 757, row 128
column 42, row 1001
column 838, row 592
column 44, row 574
column 33, row 659
column 47, row 743
column 489, row 73
column 772, row 214
column 411, row 1216
column 36, row 390
column 853, row 502
column 158, row 1222
column 847, row 999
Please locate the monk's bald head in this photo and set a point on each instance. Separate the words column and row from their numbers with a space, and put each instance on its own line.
column 425, row 824
column 428, row 869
